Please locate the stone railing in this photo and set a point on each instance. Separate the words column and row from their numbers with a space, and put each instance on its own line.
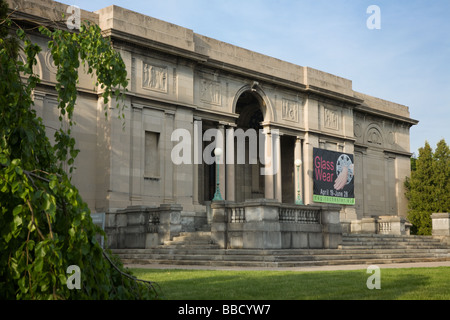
column 380, row 225
column 235, row 214
column 267, row 224
column 384, row 227
column 297, row 215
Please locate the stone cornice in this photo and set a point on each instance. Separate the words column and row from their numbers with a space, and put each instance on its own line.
column 154, row 45
column 384, row 114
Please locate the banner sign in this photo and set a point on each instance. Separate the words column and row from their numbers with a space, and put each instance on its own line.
column 333, row 177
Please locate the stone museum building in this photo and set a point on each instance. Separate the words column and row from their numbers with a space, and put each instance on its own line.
column 151, row 175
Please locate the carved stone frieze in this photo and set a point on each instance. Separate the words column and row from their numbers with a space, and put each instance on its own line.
column 154, row 77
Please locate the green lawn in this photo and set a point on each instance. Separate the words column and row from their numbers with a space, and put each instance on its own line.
column 396, row 284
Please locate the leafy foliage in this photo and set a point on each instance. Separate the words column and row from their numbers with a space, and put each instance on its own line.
column 45, row 226
column 428, row 189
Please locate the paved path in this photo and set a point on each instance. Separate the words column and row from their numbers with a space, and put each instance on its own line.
column 312, row 268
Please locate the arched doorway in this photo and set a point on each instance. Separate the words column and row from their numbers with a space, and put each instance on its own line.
column 249, row 183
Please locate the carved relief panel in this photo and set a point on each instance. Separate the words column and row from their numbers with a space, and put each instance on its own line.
column 154, row 77
column 210, row 91
column 290, row 110
column 374, row 136
column 330, row 118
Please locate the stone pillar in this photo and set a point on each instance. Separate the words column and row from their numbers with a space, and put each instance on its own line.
column 331, row 226
column 136, row 157
column 269, row 161
column 168, row 165
column 298, row 176
column 219, row 224
column 309, row 143
column 222, row 169
column 441, row 224
column 262, row 228
column 197, row 157
column 169, row 221
column 229, row 164
column 277, row 158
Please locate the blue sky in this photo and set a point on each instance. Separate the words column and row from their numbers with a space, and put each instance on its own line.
column 407, row 61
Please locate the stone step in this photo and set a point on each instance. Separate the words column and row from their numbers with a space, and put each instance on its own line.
column 389, row 240
column 360, row 237
column 215, row 250
column 196, row 248
column 330, row 257
column 283, row 264
column 404, row 247
column 337, row 257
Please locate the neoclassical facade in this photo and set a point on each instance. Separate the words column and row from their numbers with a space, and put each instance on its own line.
column 182, row 80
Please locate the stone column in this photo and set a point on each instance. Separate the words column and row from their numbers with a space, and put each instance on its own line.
column 309, row 143
column 222, row 169
column 269, row 162
column 277, row 157
column 197, row 157
column 298, row 177
column 229, row 164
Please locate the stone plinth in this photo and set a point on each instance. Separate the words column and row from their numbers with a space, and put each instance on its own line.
column 140, row 227
column 267, row 224
column 441, row 224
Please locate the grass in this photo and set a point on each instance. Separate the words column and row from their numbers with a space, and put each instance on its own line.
column 396, row 284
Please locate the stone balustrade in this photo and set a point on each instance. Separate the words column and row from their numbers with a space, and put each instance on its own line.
column 267, row 224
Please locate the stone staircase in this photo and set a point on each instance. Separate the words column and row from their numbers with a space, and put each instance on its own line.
column 197, row 249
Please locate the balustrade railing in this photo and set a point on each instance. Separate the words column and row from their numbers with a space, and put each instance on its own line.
column 384, row 227
column 299, row 215
column 236, row 214
column 153, row 222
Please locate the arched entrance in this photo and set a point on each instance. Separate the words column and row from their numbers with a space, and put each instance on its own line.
column 249, row 183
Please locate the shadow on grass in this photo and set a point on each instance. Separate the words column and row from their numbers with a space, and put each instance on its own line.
column 280, row 285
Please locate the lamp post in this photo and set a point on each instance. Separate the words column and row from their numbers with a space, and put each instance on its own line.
column 298, row 163
column 217, row 195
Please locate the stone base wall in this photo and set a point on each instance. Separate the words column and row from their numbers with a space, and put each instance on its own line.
column 379, row 225
column 140, row 227
column 267, row 224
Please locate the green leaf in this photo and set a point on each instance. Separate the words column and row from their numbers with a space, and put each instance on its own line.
column 17, row 210
column 17, row 221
